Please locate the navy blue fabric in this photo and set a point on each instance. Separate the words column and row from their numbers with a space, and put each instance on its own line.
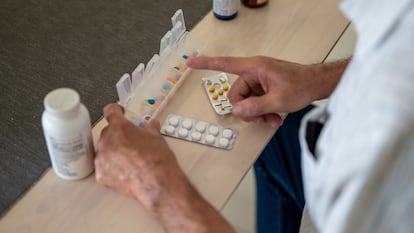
column 280, row 198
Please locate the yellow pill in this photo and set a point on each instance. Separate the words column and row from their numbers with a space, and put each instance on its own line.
column 214, row 96
column 220, row 91
column 211, row 89
column 225, row 87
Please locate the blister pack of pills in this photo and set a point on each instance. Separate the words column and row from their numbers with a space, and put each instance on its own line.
column 216, row 88
column 149, row 87
column 199, row 131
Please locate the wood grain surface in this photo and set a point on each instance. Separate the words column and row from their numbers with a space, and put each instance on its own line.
column 297, row 30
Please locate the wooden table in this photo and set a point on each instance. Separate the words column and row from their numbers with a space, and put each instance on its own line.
column 298, row 30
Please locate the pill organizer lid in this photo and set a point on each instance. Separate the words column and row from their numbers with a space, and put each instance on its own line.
column 137, row 76
column 150, row 65
column 123, row 87
column 165, row 42
column 178, row 19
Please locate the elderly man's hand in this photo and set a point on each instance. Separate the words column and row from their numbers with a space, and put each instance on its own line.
column 134, row 161
column 138, row 162
column 268, row 86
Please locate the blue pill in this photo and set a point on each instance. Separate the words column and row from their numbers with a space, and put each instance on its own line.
column 151, row 101
column 166, row 86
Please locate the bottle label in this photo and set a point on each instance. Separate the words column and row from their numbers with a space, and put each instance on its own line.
column 72, row 158
column 225, row 7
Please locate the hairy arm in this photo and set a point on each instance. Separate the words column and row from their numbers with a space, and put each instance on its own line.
column 180, row 208
column 327, row 76
column 139, row 163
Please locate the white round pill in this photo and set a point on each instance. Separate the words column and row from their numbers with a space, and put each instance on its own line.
column 187, row 124
column 183, row 132
column 227, row 133
column 169, row 129
column 223, row 142
column 210, row 139
column 196, row 136
column 213, row 130
column 200, row 126
column 173, row 121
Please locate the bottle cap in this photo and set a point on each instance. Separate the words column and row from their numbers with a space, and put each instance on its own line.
column 62, row 102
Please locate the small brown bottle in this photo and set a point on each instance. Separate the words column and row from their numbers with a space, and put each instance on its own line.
column 254, row 3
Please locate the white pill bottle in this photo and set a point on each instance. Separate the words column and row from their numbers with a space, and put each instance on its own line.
column 225, row 9
column 67, row 129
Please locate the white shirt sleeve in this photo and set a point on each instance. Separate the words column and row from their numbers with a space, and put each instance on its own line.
column 363, row 177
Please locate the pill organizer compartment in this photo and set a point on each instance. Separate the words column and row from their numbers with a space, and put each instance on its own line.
column 148, row 89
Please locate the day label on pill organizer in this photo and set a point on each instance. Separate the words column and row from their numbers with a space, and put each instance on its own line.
column 216, row 87
column 199, row 131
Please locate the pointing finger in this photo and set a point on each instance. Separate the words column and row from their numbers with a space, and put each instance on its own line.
column 233, row 65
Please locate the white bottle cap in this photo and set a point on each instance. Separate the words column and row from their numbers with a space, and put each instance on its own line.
column 62, row 102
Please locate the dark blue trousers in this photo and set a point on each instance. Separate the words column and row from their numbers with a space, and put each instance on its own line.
column 280, row 199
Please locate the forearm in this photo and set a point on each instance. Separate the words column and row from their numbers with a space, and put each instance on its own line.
column 180, row 208
column 327, row 76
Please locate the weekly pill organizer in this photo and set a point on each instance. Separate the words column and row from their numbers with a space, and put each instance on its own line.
column 147, row 90
column 149, row 87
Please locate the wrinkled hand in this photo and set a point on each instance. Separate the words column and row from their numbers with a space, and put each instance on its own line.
column 134, row 161
column 265, row 86
column 138, row 162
